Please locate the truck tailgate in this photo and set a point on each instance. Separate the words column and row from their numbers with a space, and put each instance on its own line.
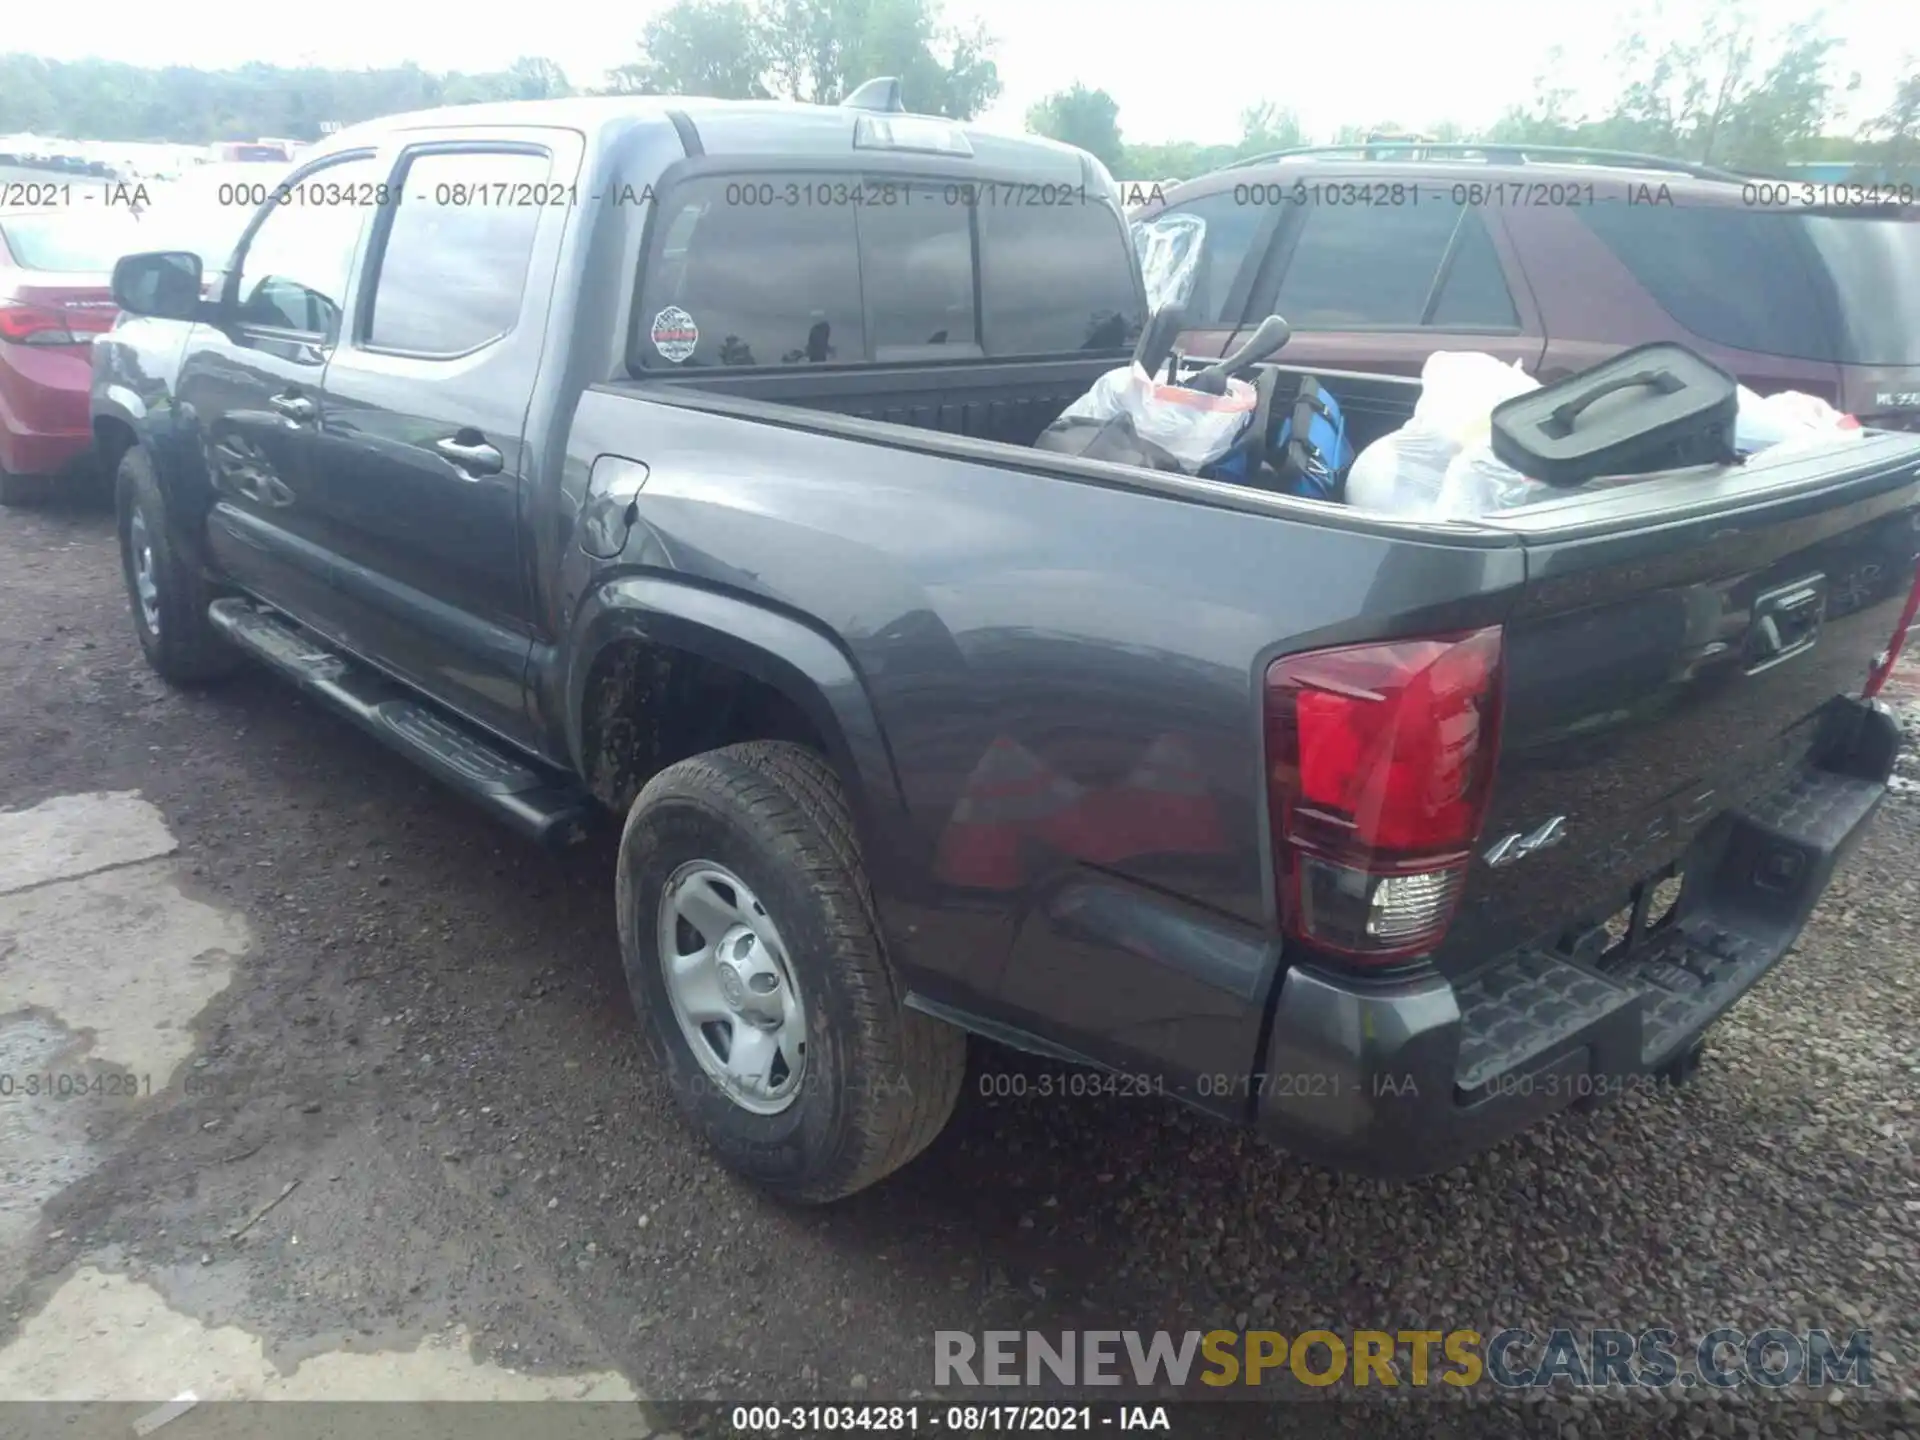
column 1679, row 651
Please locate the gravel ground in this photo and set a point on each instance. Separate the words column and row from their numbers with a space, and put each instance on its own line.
column 437, row 1006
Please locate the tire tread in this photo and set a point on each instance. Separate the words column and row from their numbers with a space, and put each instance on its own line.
column 915, row 1065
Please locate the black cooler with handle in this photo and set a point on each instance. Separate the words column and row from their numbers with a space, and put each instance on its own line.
column 1654, row 407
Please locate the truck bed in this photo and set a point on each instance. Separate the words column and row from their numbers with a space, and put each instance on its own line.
column 1013, row 401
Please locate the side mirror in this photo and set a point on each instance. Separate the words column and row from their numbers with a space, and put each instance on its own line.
column 163, row 284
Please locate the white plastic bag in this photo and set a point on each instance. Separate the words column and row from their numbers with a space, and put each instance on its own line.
column 1458, row 390
column 1169, row 250
column 1194, row 428
column 1401, row 472
column 1406, row 472
column 1790, row 417
column 1478, row 482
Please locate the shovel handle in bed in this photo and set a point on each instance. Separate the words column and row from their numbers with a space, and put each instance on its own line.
column 1273, row 333
column 1163, row 327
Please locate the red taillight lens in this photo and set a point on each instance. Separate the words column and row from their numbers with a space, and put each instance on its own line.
column 34, row 325
column 1379, row 759
column 1883, row 664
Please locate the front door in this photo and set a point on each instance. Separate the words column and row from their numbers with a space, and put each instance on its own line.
column 420, row 452
column 253, row 384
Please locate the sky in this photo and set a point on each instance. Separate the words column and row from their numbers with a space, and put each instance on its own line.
column 1179, row 72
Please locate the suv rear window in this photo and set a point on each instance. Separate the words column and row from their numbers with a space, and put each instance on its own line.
column 743, row 272
column 1874, row 259
column 1841, row 287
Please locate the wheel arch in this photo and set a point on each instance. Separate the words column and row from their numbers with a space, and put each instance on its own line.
column 115, row 432
column 645, row 641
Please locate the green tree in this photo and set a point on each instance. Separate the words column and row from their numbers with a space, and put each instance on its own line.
column 533, row 77
column 1893, row 136
column 1087, row 118
column 1267, row 127
column 1726, row 94
column 813, row 50
column 699, row 47
column 105, row 100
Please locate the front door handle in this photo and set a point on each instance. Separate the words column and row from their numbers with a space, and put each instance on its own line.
column 476, row 457
column 295, row 406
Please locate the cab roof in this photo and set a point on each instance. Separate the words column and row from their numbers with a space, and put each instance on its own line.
column 725, row 127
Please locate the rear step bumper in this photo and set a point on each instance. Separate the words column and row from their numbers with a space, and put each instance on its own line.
column 1405, row 1079
column 542, row 805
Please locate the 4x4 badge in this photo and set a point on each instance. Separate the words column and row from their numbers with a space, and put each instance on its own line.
column 1518, row 846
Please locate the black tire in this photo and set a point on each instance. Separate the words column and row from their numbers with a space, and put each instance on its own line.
column 186, row 649
column 880, row 1080
column 19, row 490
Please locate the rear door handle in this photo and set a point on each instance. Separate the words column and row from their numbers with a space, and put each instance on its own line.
column 476, row 457
column 295, row 406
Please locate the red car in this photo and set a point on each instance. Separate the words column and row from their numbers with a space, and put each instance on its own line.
column 54, row 270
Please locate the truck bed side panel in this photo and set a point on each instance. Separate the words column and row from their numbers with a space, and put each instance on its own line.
column 1067, row 677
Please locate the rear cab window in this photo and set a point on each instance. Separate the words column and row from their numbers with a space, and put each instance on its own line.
column 749, row 270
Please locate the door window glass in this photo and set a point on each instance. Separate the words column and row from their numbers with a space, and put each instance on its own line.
column 294, row 273
column 454, row 265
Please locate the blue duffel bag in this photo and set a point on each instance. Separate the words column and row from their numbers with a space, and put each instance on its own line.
column 1307, row 453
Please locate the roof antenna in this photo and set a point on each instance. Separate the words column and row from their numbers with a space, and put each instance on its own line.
column 881, row 95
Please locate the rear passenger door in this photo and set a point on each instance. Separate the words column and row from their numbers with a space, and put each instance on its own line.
column 421, row 451
column 1379, row 288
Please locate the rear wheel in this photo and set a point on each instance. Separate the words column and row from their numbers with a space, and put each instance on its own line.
column 169, row 596
column 757, row 967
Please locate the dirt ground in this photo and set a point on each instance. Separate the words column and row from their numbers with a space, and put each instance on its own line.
column 302, row 964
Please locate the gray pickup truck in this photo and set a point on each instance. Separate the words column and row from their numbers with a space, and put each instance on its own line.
column 672, row 460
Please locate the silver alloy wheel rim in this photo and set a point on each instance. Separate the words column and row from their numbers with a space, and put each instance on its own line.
column 731, row 987
column 145, row 586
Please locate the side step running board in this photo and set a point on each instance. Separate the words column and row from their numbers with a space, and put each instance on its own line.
column 544, row 805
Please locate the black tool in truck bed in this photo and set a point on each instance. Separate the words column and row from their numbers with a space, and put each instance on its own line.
column 683, row 476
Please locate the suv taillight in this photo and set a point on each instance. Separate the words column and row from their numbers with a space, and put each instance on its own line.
column 1379, row 763
column 1883, row 663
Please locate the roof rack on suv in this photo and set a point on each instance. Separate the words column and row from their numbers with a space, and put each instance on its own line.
column 1494, row 152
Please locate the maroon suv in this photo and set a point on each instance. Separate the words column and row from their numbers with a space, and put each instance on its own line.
column 1557, row 259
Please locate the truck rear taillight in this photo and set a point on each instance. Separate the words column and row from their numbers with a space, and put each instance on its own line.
column 1884, row 662
column 1379, row 762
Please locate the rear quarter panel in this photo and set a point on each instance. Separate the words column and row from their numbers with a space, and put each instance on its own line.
column 1067, row 677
